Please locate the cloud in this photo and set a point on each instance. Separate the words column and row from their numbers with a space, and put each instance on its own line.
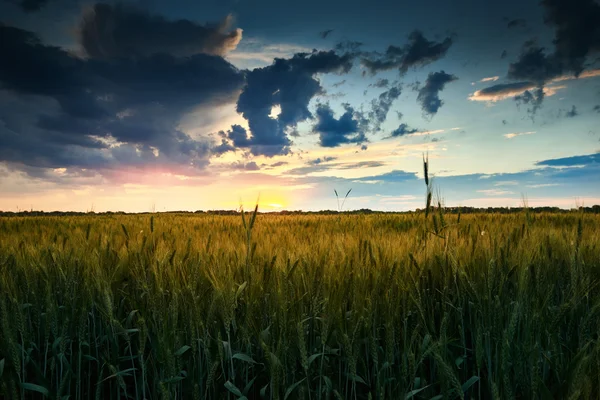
column 252, row 53
column 591, row 73
column 490, row 79
column 322, row 167
column 320, row 160
column 543, row 185
column 32, row 5
column 249, row 166
column 534, row 65
column 418, row 52
column 325, row 33
column 576, row 25
column 509, row 90
column 503, row 55
column 515, row 134
column 362, row 164
column 62, row 111
column 501, row 91
column 348, row 46
column 517, row 23
column 275, row 165
column 338, row 84
column 222, row 148
column 334, row 132
column 402, row 130
column 380, row 83
column 505, row 91
column 429, row 94
column 238, row 136
column 380, row 106
column 577, row 35
column 494, row 192
column 427, row 133
column 572, row 113
column 394, row 176
column 533, row 98
column 571, row 161
column 289, row 84
column 597, row 108
column 116, row 31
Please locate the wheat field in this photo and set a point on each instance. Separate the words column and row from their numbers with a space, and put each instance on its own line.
column 343, row 306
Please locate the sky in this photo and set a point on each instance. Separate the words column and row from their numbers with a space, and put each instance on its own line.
column 162, row 105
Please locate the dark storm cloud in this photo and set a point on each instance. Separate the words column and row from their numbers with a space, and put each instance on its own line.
column 516, row 23
column 577, row 24
column 325, row 33
column 532, row 98
column 115, row 31
column 536, row 66
column 418, row 52
column 380, row 106
column 429, row 94
column 503, row 55
column 597, row 108
column 571, row 161
column 238, row 136
column 402, row 130
column 334, row 132
column 67, row 104
column 32, row 5
column 291, row 84
column 32, row 68
column 577, row 36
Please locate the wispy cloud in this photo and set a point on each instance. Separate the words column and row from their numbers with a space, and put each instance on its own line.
column 515, row 134
column 490, row 79
column 506, row 183
column 508, row 90
column 313, row 167
column 425, row 133
column 372, row 182
column 484, row 80
column 543, row 185
column 257, row 53
column 494, row 192
column 585, row 74
column 499, row 92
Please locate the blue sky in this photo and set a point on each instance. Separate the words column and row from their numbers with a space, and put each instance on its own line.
column 186, row 105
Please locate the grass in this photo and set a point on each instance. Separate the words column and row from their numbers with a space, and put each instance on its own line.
column 313, row 307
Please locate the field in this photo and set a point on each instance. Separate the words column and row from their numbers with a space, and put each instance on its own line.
column 346, row 306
